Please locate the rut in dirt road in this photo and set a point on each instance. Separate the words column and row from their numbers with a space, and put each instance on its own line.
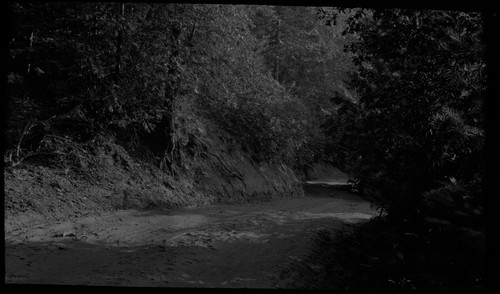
column 246, row 245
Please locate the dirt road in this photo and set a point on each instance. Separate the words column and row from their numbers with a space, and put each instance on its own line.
column 247, row 245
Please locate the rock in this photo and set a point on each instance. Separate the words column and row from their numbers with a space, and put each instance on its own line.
column 64, row 234
column 69, row 234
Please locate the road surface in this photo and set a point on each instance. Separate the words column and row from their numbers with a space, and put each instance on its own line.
column 244, row 245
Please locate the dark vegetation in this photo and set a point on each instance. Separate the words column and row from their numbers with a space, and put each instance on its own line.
column 394, row 97
column 415, row 143
column 142, row 71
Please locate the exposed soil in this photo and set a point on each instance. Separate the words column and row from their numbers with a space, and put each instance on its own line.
column 239, row 245
column 102, row 176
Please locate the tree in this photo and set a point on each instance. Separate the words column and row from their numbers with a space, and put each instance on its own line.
column 117, row 64
column 239, row 92
column 420, row 81
column 131, row 69
column 303, row 51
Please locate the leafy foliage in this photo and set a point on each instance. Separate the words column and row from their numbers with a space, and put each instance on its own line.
column 302, row 50
column 241, row 95
column 419, row 119
column 135, row 69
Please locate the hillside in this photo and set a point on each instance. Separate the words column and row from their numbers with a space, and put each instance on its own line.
column 105, row 177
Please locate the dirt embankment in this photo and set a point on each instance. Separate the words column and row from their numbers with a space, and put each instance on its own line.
column 104, row 177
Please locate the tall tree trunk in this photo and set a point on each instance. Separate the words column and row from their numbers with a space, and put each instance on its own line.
column 32, row 37
column 171, row 93
column 276, row 60
column 119, row 44
column 170, row 131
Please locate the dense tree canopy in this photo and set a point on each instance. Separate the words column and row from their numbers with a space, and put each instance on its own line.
column 394, row 96
column 418, row 123
column 266, row 74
